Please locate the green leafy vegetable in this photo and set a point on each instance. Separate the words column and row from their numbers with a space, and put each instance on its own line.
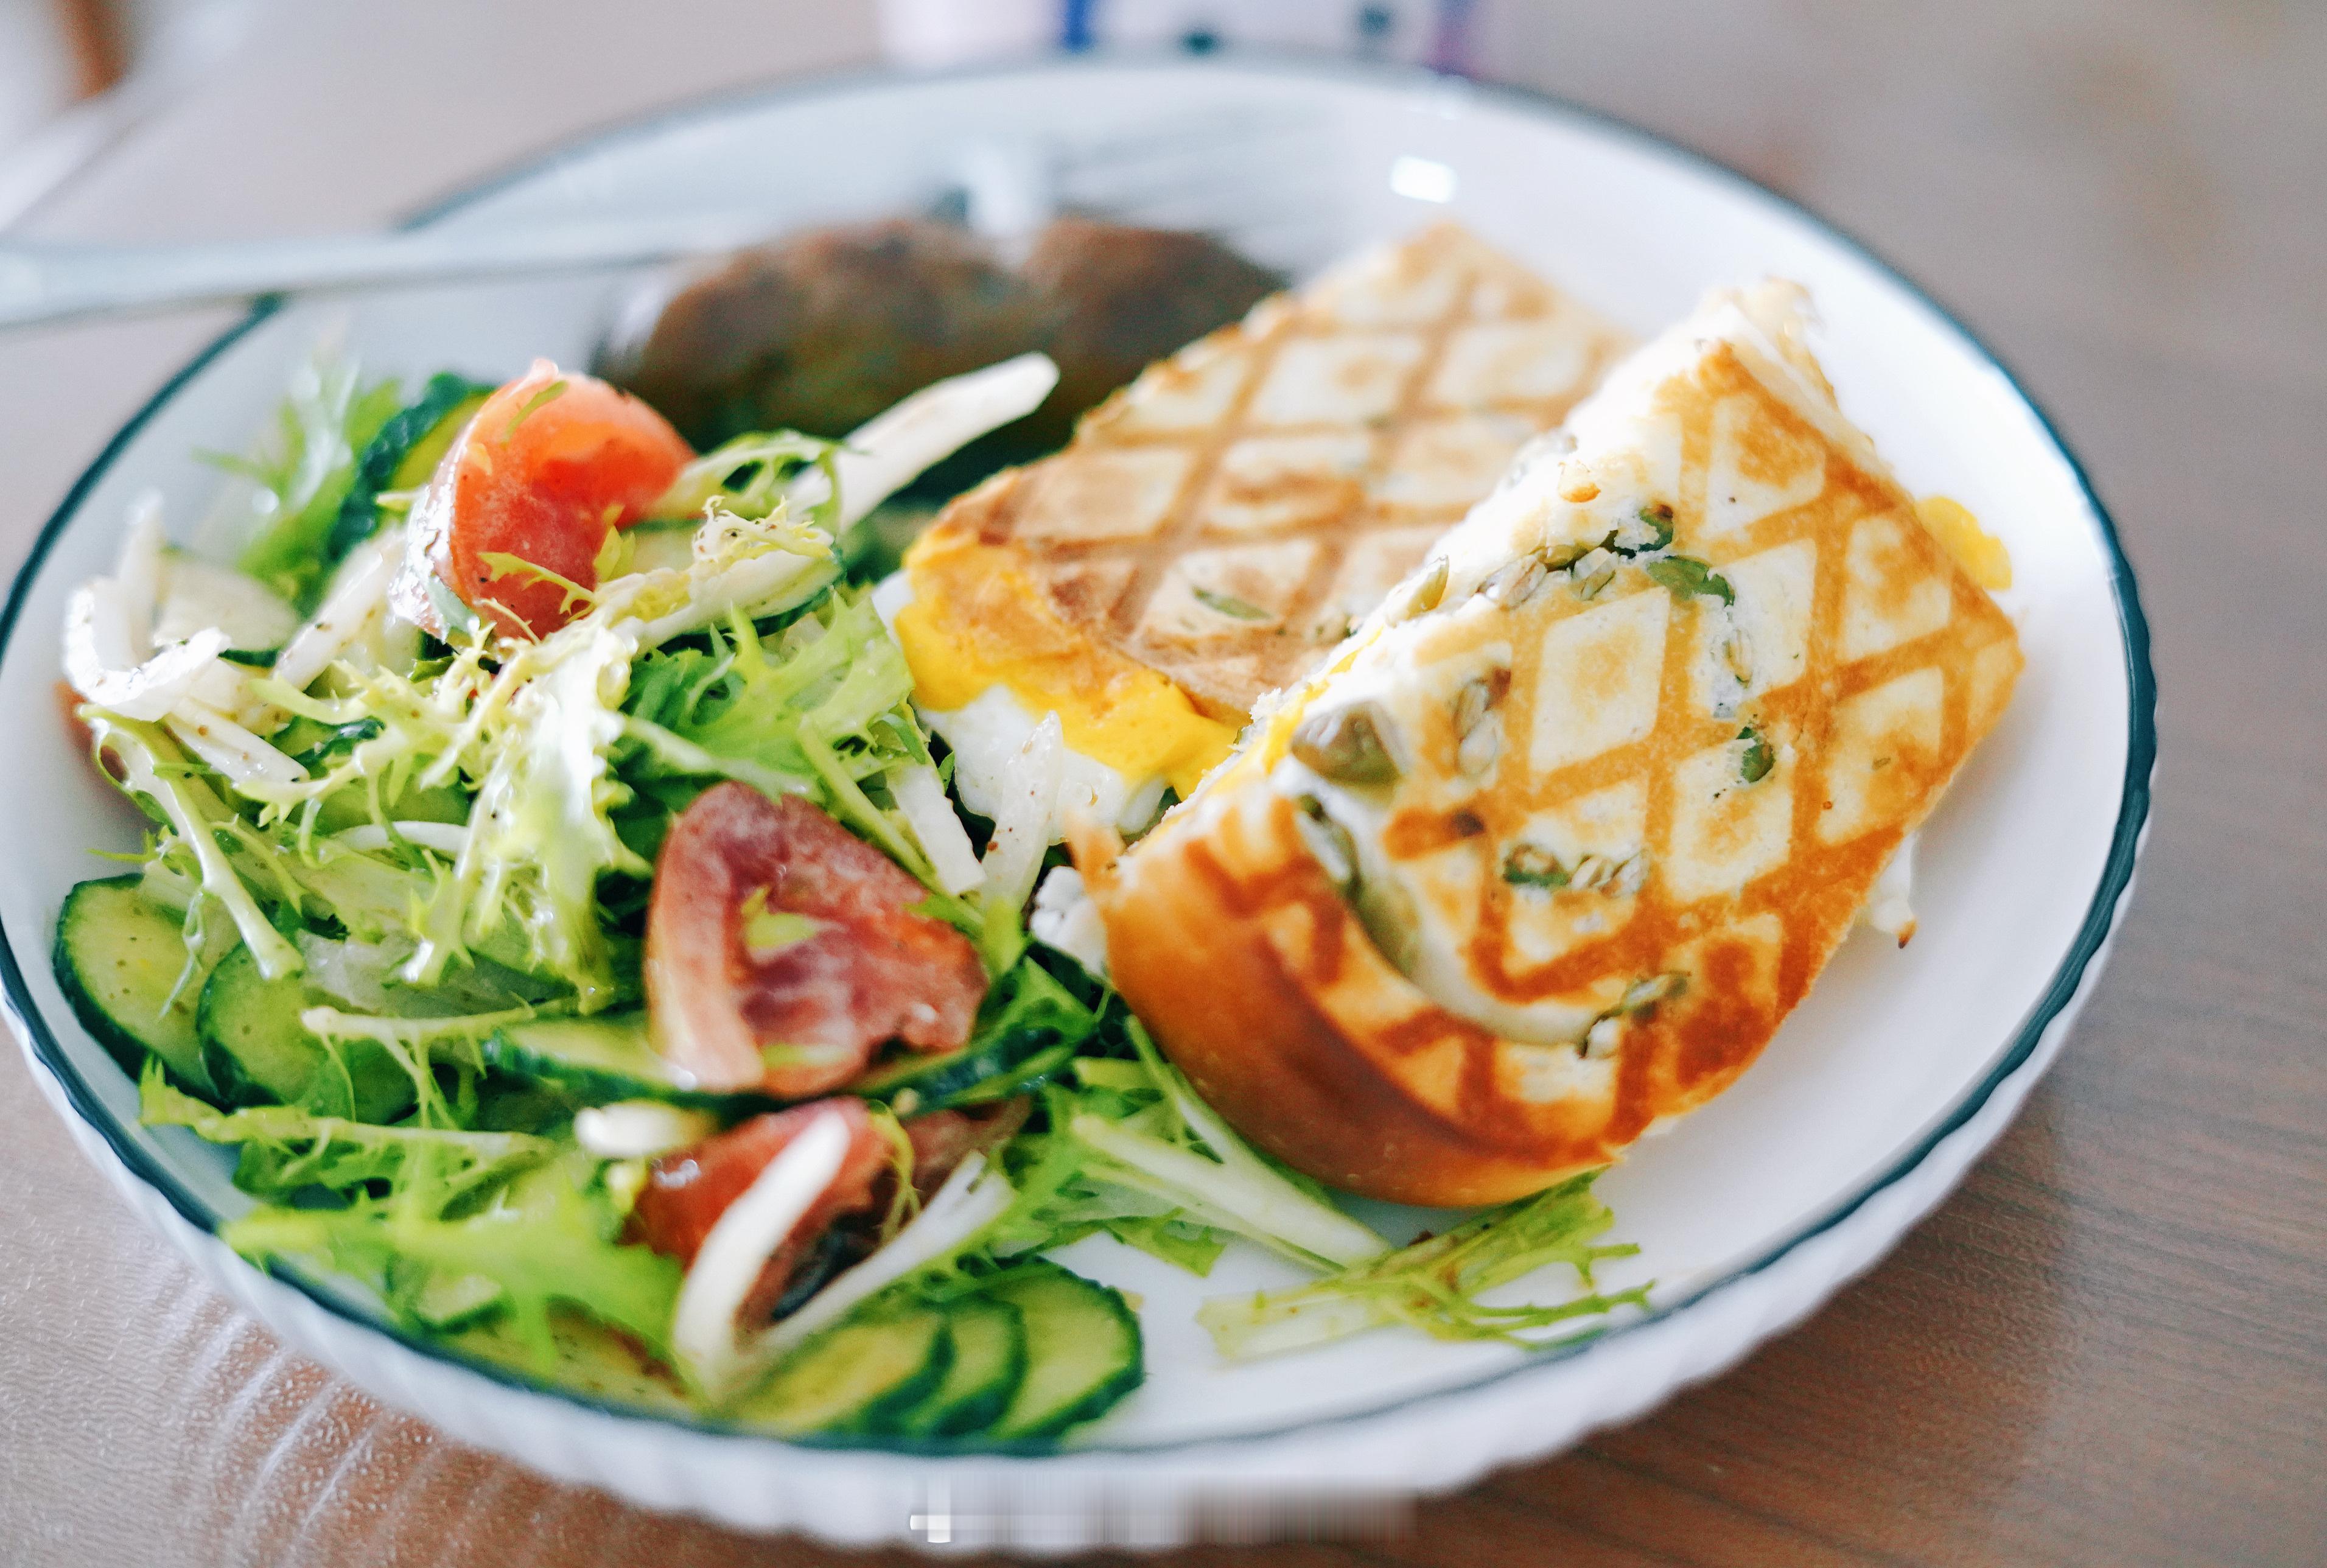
column 306, row 470
column 819, row 709
column 1230, row 605
column 404, row 452
column 750, row 476
column 1686, row 576
column 1754, row 764
column 1181, row 1242
column 1435, row 1285
column 1530, row 865
column 1136, row 1143
column 534, row 404
column 285, row 1150
column 549, row 1238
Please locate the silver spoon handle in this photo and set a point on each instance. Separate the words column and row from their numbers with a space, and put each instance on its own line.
column 42, row 282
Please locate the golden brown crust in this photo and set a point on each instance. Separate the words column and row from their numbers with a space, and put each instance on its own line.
column 1230, row 942
column 1228, row 516
column 1403, row 1081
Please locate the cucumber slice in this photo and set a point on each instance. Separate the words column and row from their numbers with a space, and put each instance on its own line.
column 1027, row 1029
column 403, row 455
column 1083, row 1348
column 119, row 956
column 258, row 1053
column 989, row 1362
column 858, row 1376
column 595, row 1061
column 198, row 593
column 920, row 1084
column 656, row 546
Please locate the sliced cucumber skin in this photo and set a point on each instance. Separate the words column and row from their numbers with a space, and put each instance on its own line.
column 1031, row 1036
column 258, row 1053
column 914, row 1089
column 989, row 1362
column 118, row 956
column 597, row 1061
column 1084, row 1352
column 381, row 465
column 857, row 1377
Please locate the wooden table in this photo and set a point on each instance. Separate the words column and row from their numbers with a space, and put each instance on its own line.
column 2110, row 1347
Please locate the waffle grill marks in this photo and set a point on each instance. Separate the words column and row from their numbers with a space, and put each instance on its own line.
column 1226, row 518
column 1903, row 664
column 1364, row 1081
column 1878, row 671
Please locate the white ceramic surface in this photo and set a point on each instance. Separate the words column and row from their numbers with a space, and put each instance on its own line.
column 1870, row 1104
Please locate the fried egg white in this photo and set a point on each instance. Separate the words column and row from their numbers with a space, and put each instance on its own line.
column 990, row 660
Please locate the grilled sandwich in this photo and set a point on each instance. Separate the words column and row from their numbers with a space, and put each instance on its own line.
column 1216, row 528
column 1562, row 835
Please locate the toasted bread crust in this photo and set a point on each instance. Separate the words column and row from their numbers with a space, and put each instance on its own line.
column 1543, row 1010
column 1228, row 516
column 1227, row 938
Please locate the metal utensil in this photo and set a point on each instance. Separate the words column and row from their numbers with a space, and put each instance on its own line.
column 44, row 281
column 1239, row 178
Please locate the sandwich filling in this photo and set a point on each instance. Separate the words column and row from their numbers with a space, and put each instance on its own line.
column 1218, row 528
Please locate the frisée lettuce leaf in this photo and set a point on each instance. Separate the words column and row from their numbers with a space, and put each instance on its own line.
column 305, row 469
column 549, row 1238
column 1436, row 1283
column 285, row 1150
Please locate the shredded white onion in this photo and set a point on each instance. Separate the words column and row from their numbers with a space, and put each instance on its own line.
column 889, row 450
column 97, row 638
column 348, row 609
column 967, row 1204
column 97, row 630
column 640, row 1129
column 728, row 1264
column 443, row 837
column 237, row 753
column 196, row 593
column 920, row 797
column 139, row 571
column 1023, row 828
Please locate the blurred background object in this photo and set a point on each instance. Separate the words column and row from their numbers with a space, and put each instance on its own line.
column 941, row 33
column 76, row 75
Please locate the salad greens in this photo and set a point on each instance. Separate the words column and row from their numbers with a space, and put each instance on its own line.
column 409, row 881
column 304, row 473
column 1434, row 1284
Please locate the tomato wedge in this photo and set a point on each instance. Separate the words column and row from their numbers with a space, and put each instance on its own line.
column 687, row 1192
column 942, row 1140
column 551, row 462
column 783, row 950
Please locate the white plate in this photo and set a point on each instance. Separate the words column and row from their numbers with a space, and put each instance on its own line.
column 1863, row 1113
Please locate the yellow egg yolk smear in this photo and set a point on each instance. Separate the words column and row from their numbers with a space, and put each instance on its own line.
column 1979, row 553
column 977, row 621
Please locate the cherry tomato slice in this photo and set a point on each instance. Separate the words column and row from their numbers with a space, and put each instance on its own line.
column 551, row 462
column 783, row 950
column 686, row 1192
column 942, row 1140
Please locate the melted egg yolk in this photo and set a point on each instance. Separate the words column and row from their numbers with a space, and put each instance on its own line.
column 1979, row 553
column 977, row 621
